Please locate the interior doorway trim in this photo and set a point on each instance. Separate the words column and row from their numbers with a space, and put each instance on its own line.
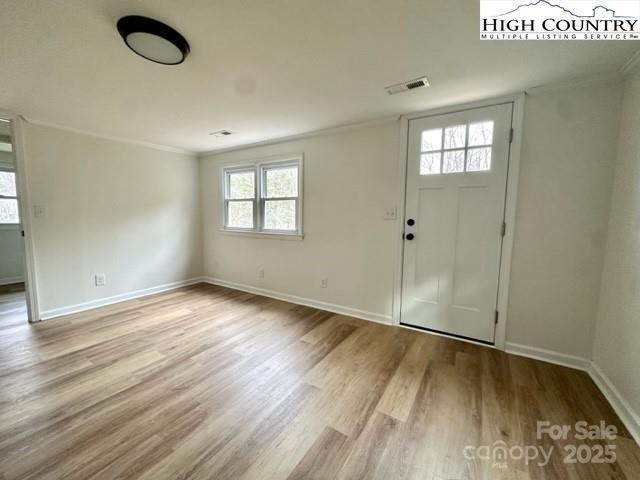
column 24, row 207
column 517, row 120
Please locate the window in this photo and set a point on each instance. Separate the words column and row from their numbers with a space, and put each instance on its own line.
column 264, row 197
column 8, row 199
column 240, row 198
column 456, row 149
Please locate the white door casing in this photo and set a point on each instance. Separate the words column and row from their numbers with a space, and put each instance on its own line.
column 451, row 266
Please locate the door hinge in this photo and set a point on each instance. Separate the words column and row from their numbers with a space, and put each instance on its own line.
column 511, row 135
column 503, row 230
column 496, row 319
column 22, row 232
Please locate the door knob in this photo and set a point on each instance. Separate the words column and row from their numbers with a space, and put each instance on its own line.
column 411, row 222
column 409, row 236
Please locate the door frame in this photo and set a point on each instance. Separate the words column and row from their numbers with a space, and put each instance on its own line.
column 24, row 207
column 513, row 171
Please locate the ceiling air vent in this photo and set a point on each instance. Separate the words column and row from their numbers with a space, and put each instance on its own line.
column 221, row 133
column 409, row 85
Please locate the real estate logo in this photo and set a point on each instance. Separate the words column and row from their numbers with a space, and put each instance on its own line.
column 559, row 19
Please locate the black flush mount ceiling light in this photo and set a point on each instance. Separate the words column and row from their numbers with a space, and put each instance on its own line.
column 153, row 40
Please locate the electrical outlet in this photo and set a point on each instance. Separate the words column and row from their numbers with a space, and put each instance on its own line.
column 101, row 279
column 324, row 281
column 261, row 273
column 390, row 213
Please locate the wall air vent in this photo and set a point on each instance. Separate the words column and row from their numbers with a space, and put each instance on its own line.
column 221, row 133
column 409, row 85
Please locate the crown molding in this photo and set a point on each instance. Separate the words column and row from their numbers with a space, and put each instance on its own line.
column 597, row 80
column 128, row 141
column 299, row 136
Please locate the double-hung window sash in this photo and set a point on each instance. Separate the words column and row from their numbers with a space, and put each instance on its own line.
column 279, row 197
column 240, row 199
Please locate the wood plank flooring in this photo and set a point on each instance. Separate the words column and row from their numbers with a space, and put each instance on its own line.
column 13, row 305
column 210, row 383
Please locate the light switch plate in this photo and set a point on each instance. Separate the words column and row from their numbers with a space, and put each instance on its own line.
column 38, row 211
column 390, row 213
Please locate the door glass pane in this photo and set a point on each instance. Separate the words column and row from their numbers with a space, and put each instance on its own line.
column 430, row 163
column 9, row 211
column 240, row 214
column 479, row 159
column 481, row 134
column 8, row 184
column 241, row 185
column 280, row 215
column 431, row 140
column 453, row 161
column 454, row 137
column 281, row 182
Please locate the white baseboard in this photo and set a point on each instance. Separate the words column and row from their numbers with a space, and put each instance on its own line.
column 307, row 302
column 101, row 302
column 10, row 280
column 550, row 356
column 627, row 414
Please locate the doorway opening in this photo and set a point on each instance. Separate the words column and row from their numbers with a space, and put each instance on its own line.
column 13, row 278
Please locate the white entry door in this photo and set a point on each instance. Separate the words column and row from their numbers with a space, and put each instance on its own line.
column 456, row 184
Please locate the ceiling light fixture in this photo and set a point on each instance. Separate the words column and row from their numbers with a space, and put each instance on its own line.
column 153, row 40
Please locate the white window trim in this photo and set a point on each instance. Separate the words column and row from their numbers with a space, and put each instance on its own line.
column 10, row 226
column 259, row 167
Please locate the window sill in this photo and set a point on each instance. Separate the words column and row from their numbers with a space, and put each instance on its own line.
column 270, row 235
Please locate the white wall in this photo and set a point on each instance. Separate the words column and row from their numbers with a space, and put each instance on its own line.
column 350, row 179
column 617, row 341
column 11, row 256
column 129, row 211
column 568, row 156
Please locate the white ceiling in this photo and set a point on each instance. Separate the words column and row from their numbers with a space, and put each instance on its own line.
column 264, row 68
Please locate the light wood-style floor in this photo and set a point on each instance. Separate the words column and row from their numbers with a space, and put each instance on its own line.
column 211, row 383
column 13, row 305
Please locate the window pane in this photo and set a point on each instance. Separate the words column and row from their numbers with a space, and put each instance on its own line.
column 240, row 215
column 478, row 159
column 454, row 137
column 281, row 182
column 8, row 184
column 280, row 215
column 453, row 161
column 431, row 140
column 241, row 185
column 430, row 163
column 9, row 211
column 481, row 134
